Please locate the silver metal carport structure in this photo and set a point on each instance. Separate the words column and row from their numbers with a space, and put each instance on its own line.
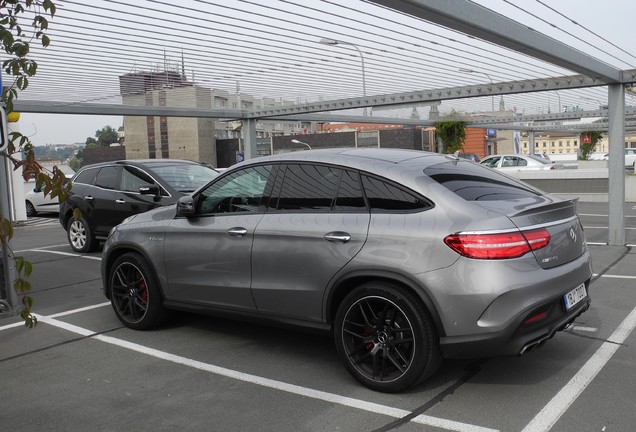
column 461, row 16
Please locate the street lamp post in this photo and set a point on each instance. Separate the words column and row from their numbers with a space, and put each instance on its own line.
column 559, row 99
column 492, row 98
column 600, row 104
column 295, row 141
column 332, row 42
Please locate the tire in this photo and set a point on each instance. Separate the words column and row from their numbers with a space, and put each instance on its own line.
column 30, row 209
column 80, row 236
column 135, row 294
column 385, row 337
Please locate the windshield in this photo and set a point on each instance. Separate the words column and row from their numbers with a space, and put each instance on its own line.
column 186, row 177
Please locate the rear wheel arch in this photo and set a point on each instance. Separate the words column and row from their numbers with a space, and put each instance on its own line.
column 345, row 285
column 385, row 336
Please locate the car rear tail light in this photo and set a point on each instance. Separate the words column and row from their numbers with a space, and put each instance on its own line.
column 537, row 317
column 498, row 246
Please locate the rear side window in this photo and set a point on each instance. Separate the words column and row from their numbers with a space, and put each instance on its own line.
column 308, row 188
column 319, row 188
column 477, row 183
column 349, row 196
column 87, row 176
column 385, row 196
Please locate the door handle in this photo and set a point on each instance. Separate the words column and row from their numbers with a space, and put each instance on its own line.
column 89, row 197
column 120, row 201
column 237, row 232
column 337, row 236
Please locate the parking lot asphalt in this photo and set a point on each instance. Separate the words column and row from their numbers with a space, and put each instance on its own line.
column 80, row 369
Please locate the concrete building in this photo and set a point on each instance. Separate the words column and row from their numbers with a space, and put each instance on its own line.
column 188, row 138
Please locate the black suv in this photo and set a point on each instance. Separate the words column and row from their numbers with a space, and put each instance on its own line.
column 108, row 192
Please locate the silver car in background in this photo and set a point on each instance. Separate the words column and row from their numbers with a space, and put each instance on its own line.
column 520, row 162
column 406, row 257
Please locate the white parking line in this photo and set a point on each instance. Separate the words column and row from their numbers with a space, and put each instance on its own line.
column 96, row 258
column 542, row 422
column 270, row 383
column 553, row 410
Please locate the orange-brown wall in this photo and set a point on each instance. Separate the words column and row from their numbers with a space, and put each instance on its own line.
column 475, row 141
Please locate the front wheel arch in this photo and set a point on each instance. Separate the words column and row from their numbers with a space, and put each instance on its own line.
column 135, row 293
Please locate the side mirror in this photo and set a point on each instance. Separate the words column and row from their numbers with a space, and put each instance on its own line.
column 150, row 190
column 185, row 206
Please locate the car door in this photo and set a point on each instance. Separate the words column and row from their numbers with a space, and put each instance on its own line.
column 100, row 199
column 316, row 223
column 129, row 201
column 208, row 257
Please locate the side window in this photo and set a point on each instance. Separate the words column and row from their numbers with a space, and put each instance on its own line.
column 133, row 178
column 520, row 162
column 241, row 191
column 108, row 178
column 350, row 197
column 491, row 162
column 308, row 187
column 86, row 177
column 384, row 196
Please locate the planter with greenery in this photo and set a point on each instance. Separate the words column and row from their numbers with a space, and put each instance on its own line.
column 451, row 132
column 587, row 148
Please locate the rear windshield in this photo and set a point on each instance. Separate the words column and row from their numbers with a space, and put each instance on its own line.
column 473, row 182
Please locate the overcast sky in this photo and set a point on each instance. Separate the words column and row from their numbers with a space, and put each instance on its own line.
column 45, row 129
column 612, row 20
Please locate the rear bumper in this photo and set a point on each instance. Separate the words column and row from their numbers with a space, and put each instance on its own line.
column 518, row 338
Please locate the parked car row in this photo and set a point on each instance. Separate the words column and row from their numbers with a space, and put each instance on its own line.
column 392, row 251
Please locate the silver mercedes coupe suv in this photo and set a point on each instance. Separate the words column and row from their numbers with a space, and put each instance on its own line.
column 406, row 257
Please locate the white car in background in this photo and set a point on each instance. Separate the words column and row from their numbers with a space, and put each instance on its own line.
column 630, row 158
column 36, row 202
column 519, row 162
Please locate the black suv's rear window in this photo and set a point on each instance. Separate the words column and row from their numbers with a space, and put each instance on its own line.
column 477, row 183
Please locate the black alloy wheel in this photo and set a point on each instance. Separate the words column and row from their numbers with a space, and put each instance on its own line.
column 135, row 294
column 30, row 209
column 386, row 338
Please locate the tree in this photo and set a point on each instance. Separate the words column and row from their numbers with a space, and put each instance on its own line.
column 106, row 136
column 103, row 137
column 451, row 132
column 589, row 139
column 16, row 41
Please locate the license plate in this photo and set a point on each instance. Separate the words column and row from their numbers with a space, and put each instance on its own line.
column 574, row 296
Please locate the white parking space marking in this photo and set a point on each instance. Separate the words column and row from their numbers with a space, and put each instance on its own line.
column 266, row 382
column 604, row 227
column 603, row 215
column 585, row 329
column 554, row 409
column 542, row 422
column 43, row 249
